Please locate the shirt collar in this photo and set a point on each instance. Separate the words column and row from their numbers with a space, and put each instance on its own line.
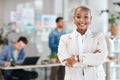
column 58, row 31
column 88, row 32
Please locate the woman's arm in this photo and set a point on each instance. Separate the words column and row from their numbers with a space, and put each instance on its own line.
column 94, row 59
column 62, row 50
column 63, row 53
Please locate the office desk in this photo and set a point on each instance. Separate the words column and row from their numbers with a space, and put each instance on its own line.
column 32, row 66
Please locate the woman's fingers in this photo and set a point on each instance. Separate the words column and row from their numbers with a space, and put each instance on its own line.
column 98, row 51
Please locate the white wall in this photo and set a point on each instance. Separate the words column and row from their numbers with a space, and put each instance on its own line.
column 10, row 5
column 99, row 22
column 1, row 13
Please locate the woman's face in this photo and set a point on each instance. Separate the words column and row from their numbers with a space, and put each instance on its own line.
column 82, row 19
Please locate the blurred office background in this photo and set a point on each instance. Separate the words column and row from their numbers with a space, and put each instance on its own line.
column 36, row 18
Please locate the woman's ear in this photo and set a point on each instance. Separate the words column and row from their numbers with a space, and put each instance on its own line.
column 90, row 18
column 73, row 18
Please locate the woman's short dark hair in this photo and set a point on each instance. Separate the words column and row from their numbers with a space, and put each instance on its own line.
column 23, row 39
column 59, row 18
column 83, row 7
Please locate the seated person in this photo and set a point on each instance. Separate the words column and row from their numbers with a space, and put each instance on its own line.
column 16, row 53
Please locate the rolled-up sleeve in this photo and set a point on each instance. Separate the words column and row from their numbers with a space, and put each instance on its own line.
column 62, row 50
column 94, row 59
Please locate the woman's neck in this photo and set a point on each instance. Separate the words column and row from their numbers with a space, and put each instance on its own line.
column 82, row 32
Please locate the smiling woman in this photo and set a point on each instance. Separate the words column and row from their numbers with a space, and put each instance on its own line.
column 83, row 52
column 82, row 18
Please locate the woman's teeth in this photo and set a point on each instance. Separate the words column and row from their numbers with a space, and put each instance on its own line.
column 81, row 24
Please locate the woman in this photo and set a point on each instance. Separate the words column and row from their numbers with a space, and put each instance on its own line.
column 83, row 52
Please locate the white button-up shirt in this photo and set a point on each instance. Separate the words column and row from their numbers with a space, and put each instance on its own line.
column 81, row 44
column 81, row 40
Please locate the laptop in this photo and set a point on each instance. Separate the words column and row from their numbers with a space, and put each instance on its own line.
column 30, row 60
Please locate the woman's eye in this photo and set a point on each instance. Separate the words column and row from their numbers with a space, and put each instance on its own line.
column 78, row 17
column 86, row 17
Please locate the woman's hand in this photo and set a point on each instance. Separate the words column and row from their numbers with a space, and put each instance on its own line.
column 70, row 61
column 98, row 51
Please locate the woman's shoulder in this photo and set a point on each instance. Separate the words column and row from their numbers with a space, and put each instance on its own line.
column 65, row 35
column 97, row 34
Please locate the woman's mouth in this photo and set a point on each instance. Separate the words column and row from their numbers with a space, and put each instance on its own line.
column 82, row 24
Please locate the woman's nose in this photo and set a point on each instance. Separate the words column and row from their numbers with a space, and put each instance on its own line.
column 81, row 19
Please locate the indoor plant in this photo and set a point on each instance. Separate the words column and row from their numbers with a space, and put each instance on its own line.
column 114, row 20
column 53, row 58
column 3, row 40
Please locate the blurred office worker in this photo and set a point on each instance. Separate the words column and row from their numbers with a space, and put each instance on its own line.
column 83, row 52
column 15, row 54
column 54, row 37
